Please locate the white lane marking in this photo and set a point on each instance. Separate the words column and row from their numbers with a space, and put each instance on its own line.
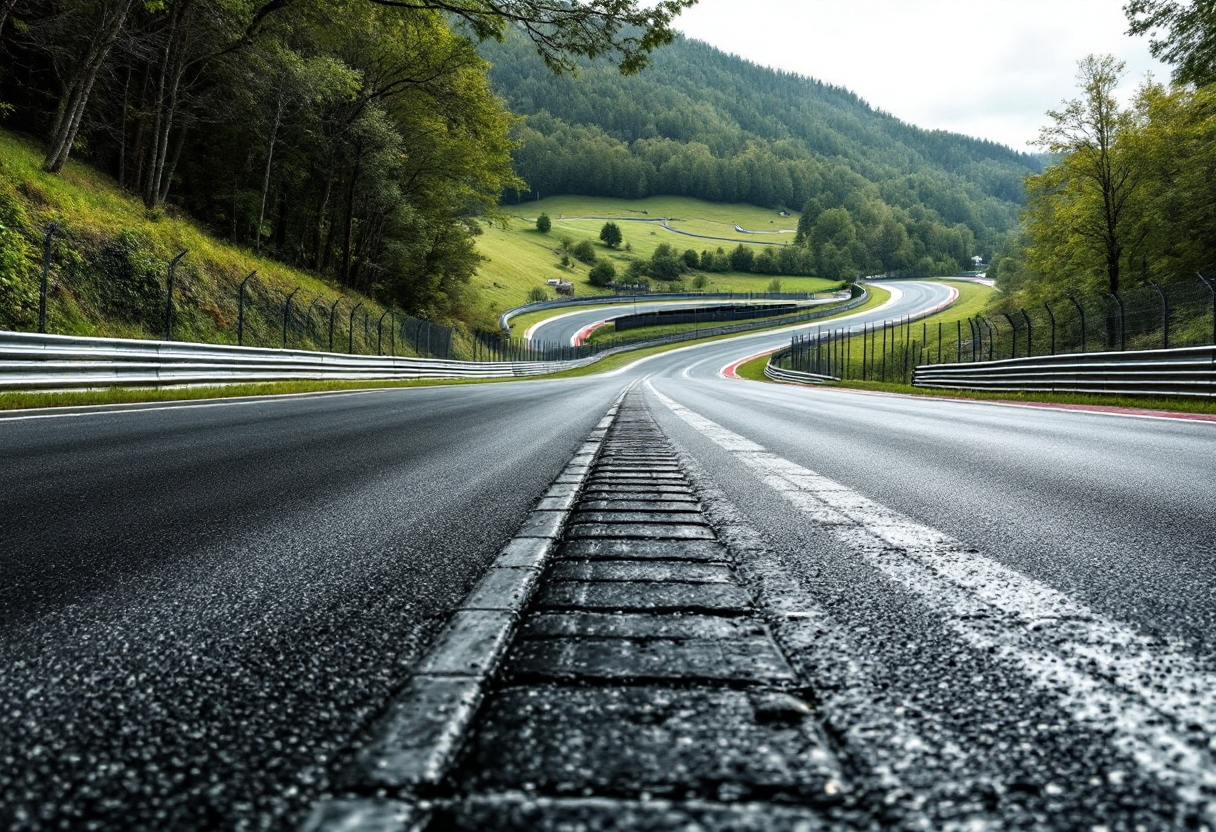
column 1149, row 694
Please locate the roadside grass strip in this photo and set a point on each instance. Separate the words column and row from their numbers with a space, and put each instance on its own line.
column 1149, row 695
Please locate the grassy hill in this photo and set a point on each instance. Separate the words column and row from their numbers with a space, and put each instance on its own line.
column 521, row 258
column 109, row 266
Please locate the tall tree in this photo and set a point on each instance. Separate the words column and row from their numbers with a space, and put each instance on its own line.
column 1090, row 190
column 81, row 39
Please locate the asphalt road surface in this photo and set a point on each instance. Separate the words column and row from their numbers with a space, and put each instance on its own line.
column 565, row 328
column 1006, row 612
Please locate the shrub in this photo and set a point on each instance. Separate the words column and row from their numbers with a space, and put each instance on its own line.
column 583, row 251
column 543, row 223
column 602, row 274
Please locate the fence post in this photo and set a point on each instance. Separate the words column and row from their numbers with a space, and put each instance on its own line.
column 991, row 336
column 333, row 311
column 46, row 274
column 169, row 301
column 1165, row 316
column 287, row 314
column 1051, row 315
column 1122, row 321
column 308, row 312
column 350, row 330
column 240, row 310
column 1081, row 312
column 1212, row 289
column 1013, row 335
column 380, row 333
column 1029, row 335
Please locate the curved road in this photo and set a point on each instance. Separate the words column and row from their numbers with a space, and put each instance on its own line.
column 566, row 327
column 1008, row 611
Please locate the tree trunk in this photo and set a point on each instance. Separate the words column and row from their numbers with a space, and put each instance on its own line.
column 349, row 224
column 274, row 134
column 76, row 97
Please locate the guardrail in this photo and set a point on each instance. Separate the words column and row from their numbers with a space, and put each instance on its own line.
column 30, row 361
column 504, row 320
column 1188, row 371
column 796, row 376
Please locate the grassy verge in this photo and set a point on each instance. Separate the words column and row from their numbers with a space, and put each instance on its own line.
column 109, row 263
column 1180, row 405
column 128, row 395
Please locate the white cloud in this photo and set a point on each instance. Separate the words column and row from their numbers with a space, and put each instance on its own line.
column 987, row 68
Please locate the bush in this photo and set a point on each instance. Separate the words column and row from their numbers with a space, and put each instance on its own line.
column 699, row 281
column 583, row 251
column 774, row 286
column 602, row 274
column 537, row 294
column 543, row 223
column 611, row 234
column 691, row 259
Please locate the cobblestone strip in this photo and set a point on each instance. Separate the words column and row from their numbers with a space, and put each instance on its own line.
column 643, row 690
column 412, row 748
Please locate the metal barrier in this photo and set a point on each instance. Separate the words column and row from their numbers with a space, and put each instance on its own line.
column 1188, row 371
column 504, row 320
column 30, row 361
column 795, row 376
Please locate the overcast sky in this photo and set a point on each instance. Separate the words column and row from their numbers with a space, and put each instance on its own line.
column 985, row 68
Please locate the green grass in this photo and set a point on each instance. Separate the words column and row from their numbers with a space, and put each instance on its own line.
column 521, row 258
column 93, row 212
column 754, row 369
column 1181, row 405
column 138, row 395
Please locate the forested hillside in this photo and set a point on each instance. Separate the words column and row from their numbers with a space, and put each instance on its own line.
column 357, row 139
column 700, row 123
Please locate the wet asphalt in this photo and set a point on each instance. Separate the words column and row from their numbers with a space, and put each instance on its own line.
column 201, row 607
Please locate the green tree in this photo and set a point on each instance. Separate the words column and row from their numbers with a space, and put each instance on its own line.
column 582, row 250
column 1081, row 207
column 602, row 274
column 691, row 259
column 665, row 264
column 741, row 258
column 611, row 235
column 1189, row 39
column 543, row 223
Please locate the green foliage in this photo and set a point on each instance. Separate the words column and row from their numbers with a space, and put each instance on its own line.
column 611, row 235
column 774, row 286
column 127, row 281
column 707, row 125
column 536, row 294
column 742, row 258
column 602, row 274
column 700, row 281
column 1189, row 39
column 692, row 260
column 543, row 223
column 583, row 251
column 665, row 264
